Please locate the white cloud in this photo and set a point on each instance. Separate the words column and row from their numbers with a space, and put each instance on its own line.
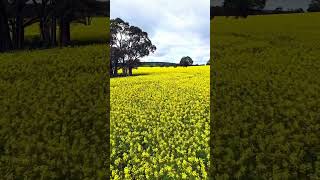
column 178, row 28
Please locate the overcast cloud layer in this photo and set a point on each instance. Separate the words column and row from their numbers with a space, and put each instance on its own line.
column 177, row 27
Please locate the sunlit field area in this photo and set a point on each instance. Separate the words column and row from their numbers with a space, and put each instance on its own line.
column 266, row 97
column 160, row 123
column 95, row 33
column 53, row 108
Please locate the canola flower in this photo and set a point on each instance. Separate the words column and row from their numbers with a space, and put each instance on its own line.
column 266, row 97
column 160, row 124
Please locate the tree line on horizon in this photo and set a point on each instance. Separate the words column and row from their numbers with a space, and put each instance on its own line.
column 17, row 15
column 243, row 8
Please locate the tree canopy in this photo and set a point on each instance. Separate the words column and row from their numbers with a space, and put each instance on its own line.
column 208, row 62
column 242, row 7
column 314, row 6
column 16, row 15
column 186, row 61
column 128, row 45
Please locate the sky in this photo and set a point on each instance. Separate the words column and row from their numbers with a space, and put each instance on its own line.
column 176, row 27
column 272, row 4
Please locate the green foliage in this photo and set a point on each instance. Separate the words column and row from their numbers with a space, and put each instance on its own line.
column 53, row 113
column 128, row 45
column 160, row 124
column 266, row 97
column 186, row 61
column 242, row 7
column 246, row 4
column 314, row 6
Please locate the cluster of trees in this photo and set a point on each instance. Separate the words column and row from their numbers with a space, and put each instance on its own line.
column 128, row 44
column 280, row 10
column 238, row 8
column 243, row 8
column 314, row 6
column 16, row 15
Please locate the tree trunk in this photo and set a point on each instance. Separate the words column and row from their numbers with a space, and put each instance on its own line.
column 64, row 31
column 5, row 39
column 53, row 27
column 115, row 72
column 68, row 32
column 19, row 32
column 44, row 24
column 53, row 31
column 124, row 73
column 130, row 71
column 45, row 31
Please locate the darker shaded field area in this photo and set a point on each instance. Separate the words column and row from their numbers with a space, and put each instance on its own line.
column 54, row 113
column 266, row 97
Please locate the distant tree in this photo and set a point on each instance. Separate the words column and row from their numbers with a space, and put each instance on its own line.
column 278, row 9
column 241, row 8
column 128, row 45
column 299, row 10
column 208, row 63
column 186, row 61
column 314, row 6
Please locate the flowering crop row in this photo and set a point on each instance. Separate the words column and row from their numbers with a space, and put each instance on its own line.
column 266, row 97
column 160, row 124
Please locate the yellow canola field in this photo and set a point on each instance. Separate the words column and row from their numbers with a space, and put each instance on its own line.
column 160, row 123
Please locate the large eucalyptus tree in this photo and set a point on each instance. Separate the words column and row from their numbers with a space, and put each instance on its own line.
column 128, row 45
